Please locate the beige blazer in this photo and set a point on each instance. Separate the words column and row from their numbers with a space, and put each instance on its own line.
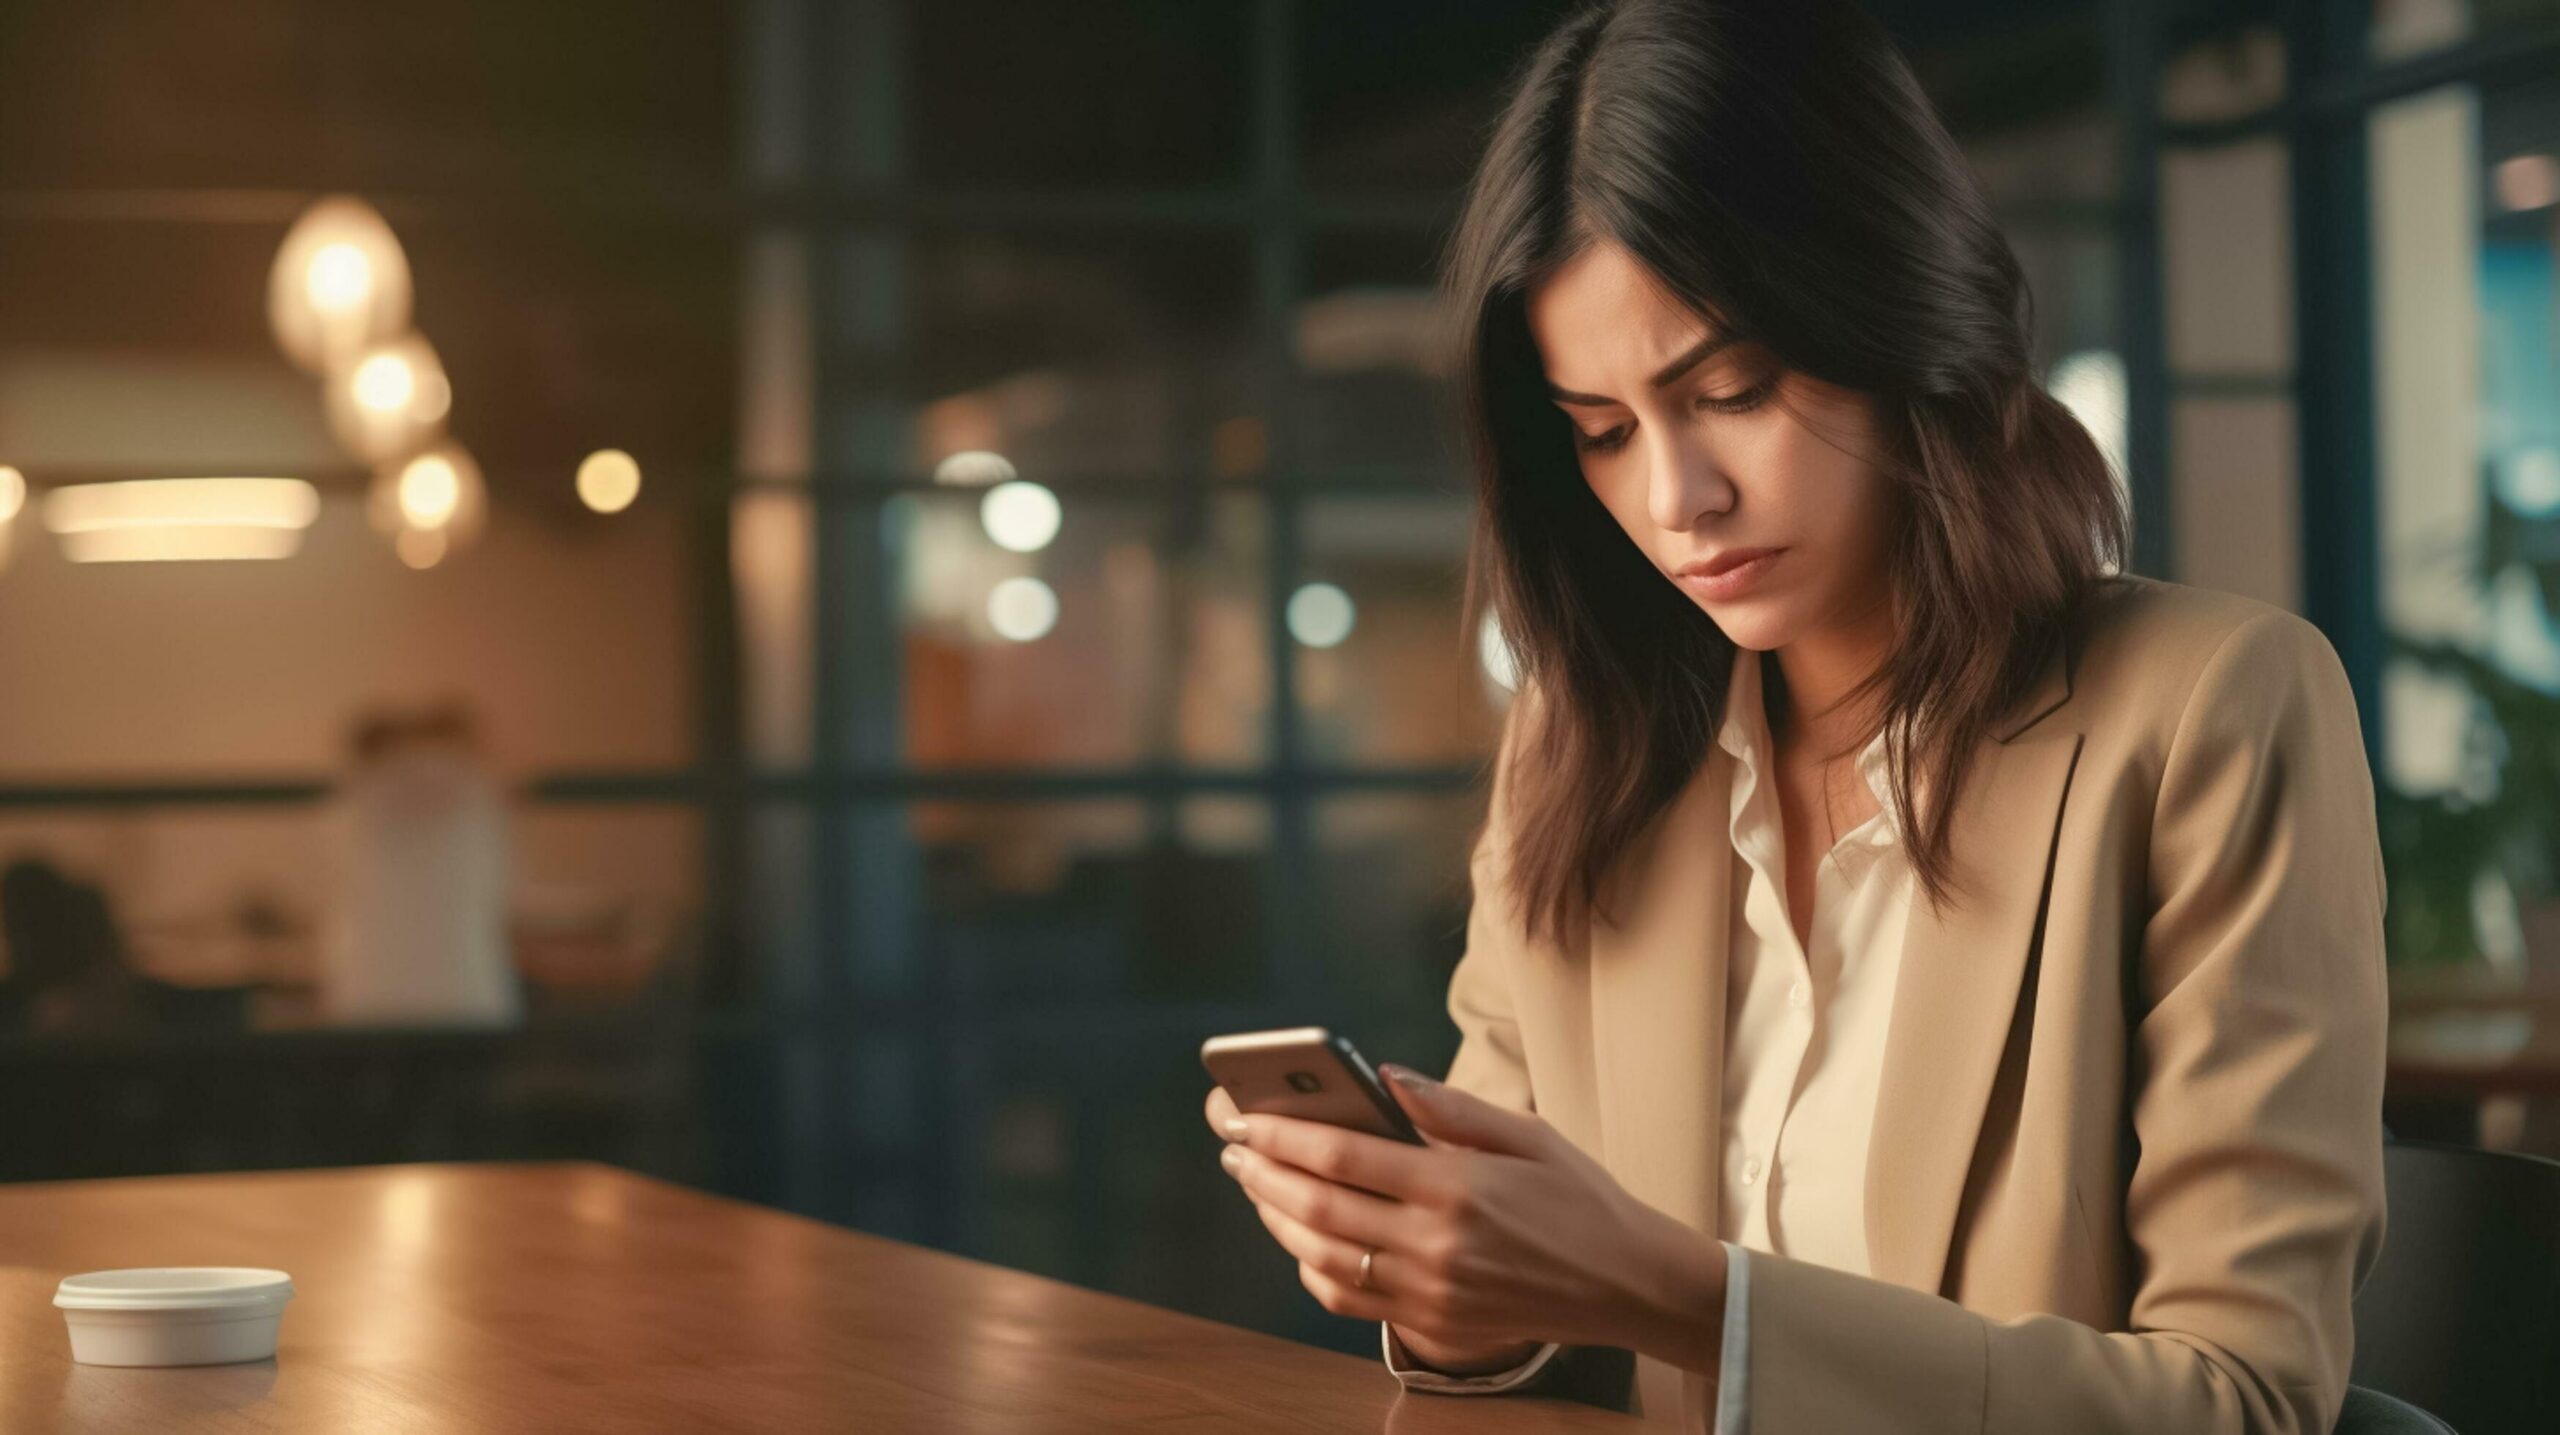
column 2126, row 1167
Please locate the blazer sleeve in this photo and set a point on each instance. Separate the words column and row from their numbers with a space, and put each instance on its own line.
column 1490, row 1063
column 2255, row 1202
column 1488, row 1055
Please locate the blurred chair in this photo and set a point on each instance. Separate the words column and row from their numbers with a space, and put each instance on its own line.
column 609, row 1074
column 2370, row 1412
column 2461, row 1314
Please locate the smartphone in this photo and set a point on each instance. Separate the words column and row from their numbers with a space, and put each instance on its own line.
column 1309, row 1072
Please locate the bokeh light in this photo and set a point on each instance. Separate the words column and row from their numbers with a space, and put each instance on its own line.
column 1493, row 653
column 340, row 278
column 390, row 400
column 608, row 480
column 430, row 491
column 2091, row 383
column 1020, row 516
column 340, row 282
column 1321, row 615
column 421, row 548
column 1022, row 610
column 385, row 383
column 440, row 489
column 974, row 468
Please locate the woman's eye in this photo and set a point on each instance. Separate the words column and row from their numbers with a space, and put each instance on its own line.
column 1739, row 403
column 1743, row 402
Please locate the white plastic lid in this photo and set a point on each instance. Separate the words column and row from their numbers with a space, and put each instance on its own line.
column 175, row 1288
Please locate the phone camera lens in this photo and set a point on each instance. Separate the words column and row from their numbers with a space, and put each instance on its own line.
column 1304, row 1081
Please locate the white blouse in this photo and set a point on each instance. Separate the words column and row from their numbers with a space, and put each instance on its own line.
column 1804, row 1026
column 1804, row 1048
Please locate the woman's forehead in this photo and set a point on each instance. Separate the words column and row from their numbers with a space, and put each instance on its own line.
column 1602, row 316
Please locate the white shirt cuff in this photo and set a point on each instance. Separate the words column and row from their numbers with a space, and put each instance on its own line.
column 1733, row 1378
column 1414, row 1377
column 1733, row 1373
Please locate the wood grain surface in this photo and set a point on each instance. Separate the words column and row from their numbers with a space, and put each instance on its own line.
column 583, row 1298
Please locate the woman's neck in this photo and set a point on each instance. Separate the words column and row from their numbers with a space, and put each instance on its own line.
column 1819, row 671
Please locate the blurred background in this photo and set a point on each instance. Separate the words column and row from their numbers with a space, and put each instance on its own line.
column 804, row 595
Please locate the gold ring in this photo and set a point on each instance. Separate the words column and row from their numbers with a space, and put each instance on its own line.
column 1367, row 1257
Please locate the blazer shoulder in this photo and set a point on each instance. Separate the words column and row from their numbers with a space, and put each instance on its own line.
column 2144, row 645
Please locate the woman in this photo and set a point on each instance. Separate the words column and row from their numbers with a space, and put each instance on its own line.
column 419, row 937
column 1917, row 980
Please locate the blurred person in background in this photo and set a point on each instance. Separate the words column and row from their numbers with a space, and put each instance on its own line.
column 70, row 973
column 419, row 934
column 1919, row 980
column 67, row 972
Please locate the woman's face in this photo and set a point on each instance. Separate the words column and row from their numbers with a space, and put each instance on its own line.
column 1751, row 489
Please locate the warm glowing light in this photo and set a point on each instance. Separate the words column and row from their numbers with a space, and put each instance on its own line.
column 1020, row 516
column 420, row 548
column 439, row 491
column 430, row 491
column 201, row 543
column 974, row 468
column 340, row 282
column 385, row 384
column 340, row 278
column 283, row 503
column 391, row 399
column 1022, row 610
column 181, row 518
column 608, row 480
column 1320, row 615
column 13, row 492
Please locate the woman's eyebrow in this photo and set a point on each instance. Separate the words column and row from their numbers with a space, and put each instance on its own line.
column 1698, row 353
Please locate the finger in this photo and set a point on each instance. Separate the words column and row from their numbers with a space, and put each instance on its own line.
column 1344, row 1299
column 1337, row 1210
column 1332, row 1255
column 1346, row 1157
column 1463, row 1118
column 1220, row 1109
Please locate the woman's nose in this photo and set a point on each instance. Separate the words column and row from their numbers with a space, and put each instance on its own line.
column 1684, row 486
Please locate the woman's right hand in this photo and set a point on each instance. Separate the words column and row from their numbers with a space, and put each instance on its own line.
column 1447, row 1359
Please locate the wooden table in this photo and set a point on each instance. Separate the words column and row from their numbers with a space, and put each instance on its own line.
column 579, row 1297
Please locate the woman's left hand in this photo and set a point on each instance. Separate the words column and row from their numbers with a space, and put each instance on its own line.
column 1499, row 1230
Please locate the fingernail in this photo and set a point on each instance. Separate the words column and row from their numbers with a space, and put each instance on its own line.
column 1229, row 1158
column 1236, row 1129
column 1406, row 1077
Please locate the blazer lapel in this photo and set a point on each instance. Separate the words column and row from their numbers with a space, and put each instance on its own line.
column 1958, row 988
column 1657, row 972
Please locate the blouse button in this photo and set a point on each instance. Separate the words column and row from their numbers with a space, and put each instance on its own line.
column 1750, row 1170
column 1797, row 995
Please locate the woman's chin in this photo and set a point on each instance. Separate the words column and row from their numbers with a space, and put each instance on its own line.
column 1758, row 626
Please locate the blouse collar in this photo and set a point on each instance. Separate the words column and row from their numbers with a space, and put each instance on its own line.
column 1745, row 734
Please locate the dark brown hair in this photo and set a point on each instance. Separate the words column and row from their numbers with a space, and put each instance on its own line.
column 1773, row 165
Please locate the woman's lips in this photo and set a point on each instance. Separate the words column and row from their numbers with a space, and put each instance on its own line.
column 1728, row 575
